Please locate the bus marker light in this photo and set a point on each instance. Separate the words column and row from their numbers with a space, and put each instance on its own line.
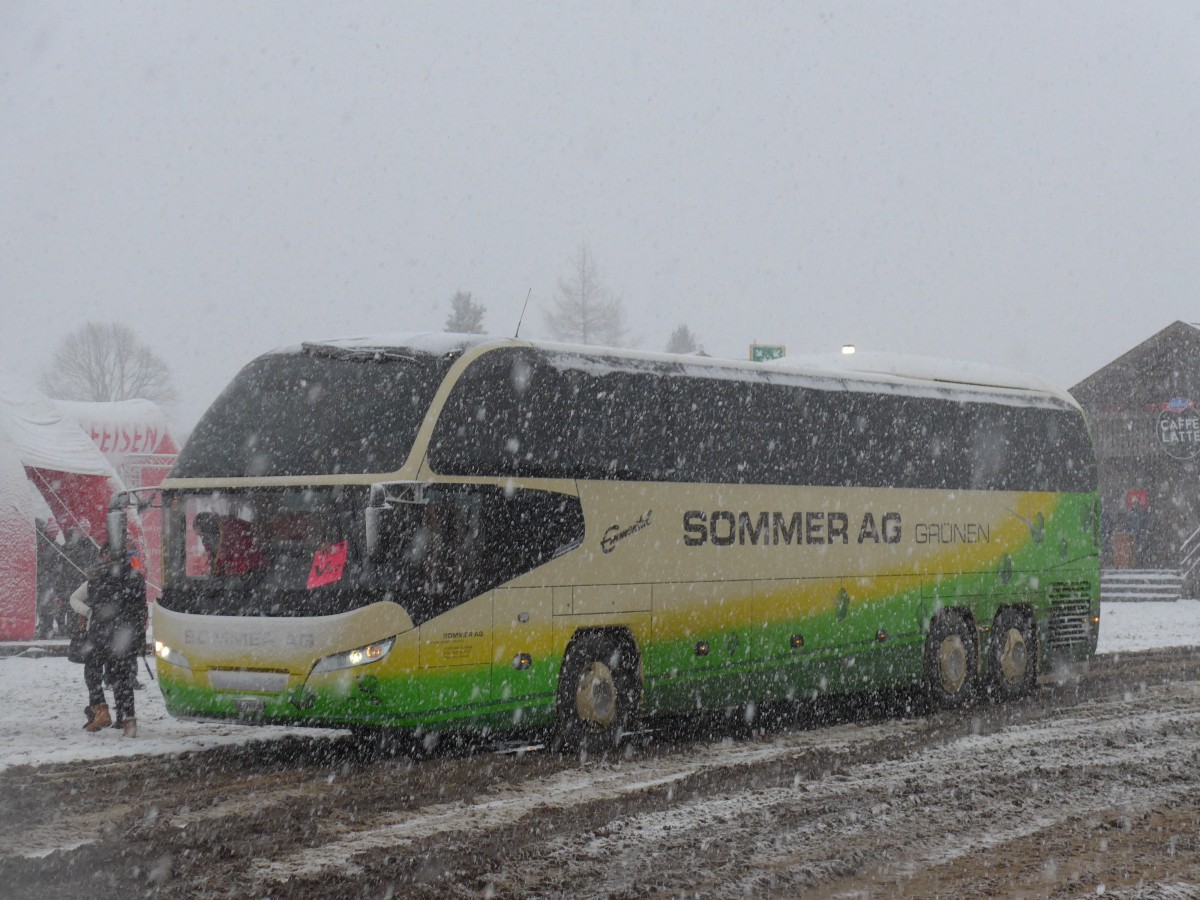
column 702, row 648
column 881, row 635
column 797, row 641
column 522, row 661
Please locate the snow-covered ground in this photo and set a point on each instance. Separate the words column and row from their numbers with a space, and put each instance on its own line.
column 42, row 699
column 1144, row 626
column 41, row 718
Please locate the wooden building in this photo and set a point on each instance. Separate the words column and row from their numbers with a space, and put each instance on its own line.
column 1144, row 409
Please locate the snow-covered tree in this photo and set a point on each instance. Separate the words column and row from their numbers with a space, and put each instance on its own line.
column 682, row 341
column 466, row 316
column 585, row 311
column 106, row 361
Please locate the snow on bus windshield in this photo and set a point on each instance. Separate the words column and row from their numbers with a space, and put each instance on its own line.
column 314, row 412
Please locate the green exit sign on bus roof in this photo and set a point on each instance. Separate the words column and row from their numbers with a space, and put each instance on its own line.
column 763, row 352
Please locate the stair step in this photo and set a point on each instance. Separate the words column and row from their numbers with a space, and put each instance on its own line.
column 1140, row 584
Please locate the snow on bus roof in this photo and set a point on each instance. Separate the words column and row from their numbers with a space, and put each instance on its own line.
column 892, row 373
column 924, row 368
column 948, row 376
column 436, row 343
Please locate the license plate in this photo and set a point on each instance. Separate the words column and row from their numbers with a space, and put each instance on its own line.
column 249, row 706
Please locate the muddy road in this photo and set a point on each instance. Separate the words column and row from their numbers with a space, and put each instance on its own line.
column 1078, row 789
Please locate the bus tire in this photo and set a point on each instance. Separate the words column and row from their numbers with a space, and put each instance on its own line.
column 1013, row 655
column 381, row 742
column 376, row 742
column 951, row 660
column 597, row 692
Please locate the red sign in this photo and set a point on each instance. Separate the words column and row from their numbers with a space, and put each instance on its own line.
column 328, row 564
column 126, row 437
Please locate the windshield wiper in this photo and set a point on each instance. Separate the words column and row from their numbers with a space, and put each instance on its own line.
column 357, row 354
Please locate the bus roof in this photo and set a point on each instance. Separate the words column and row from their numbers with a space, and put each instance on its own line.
column 894, row 373
column 921, row 368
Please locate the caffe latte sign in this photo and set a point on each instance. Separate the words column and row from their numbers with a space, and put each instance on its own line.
column 1179, row 428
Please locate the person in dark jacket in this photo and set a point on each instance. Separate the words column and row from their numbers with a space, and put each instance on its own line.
column 114, row 602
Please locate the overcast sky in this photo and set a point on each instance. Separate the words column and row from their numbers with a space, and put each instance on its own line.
column 1014, row 183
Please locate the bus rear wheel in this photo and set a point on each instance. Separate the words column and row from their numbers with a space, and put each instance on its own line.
column 596, row 693
column 951, row 660
column 1013, row 654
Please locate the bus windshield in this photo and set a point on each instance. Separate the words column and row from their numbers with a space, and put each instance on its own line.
column 304, row 551
column 264, row 552
column 323, row 410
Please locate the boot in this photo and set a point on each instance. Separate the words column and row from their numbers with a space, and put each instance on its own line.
column 91, row 716
column 129, row 727
column 100, row 718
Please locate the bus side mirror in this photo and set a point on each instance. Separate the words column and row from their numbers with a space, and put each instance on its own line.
column 385, row 496
column 372, row 516
column 115, row 524
column 141, row 498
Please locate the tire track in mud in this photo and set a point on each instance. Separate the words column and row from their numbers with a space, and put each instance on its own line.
column 560, row 792
column 893, row 819
column 521, row 863
column 883, row 820
column 869, row 806
column 66, row 806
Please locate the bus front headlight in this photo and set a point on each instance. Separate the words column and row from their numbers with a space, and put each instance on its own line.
column 359, row 656
column 168, row 655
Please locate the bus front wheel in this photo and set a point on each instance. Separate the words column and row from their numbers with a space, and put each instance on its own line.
column 951, row 660
column 596, row 693
column 1013, row 654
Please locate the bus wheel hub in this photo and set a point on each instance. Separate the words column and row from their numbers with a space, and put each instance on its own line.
column 952, row 664
column 1014, row 659
column 596, row 697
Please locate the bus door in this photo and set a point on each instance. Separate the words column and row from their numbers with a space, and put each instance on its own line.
column 437, row 541
column 701, row 647
column 524, row 669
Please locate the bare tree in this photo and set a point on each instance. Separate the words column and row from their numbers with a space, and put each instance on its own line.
column 584, row 310
column 682, row 341
column 106, row 361
column 466, row 316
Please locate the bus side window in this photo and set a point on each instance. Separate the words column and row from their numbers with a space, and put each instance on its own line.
column 989, row 450
column 464, row 542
